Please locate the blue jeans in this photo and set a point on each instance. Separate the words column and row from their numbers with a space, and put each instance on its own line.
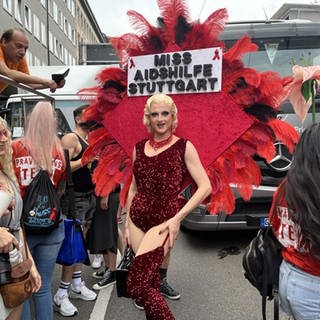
column 299, row 293
column 44, row 249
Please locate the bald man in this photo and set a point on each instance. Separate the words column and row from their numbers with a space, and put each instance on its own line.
column 13, row 47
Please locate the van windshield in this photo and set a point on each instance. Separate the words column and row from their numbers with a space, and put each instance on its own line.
column 64, row 110
column 279, row 54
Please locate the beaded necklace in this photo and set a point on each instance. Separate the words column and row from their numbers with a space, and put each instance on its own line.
column 159, row 144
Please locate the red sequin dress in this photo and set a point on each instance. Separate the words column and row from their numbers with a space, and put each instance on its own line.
column 159, row 181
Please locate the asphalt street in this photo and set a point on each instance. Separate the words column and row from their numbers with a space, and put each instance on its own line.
column 206, row 267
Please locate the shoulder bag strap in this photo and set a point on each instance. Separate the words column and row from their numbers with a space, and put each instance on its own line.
column 70, row 186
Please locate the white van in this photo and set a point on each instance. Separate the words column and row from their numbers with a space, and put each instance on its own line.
column 65, row 100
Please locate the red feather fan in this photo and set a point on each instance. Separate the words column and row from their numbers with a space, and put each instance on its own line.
column 256, row 96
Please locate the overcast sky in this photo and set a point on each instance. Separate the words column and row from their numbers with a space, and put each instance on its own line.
column 112, row 19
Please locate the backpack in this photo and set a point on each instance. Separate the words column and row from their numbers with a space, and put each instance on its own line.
column 261, row 262
column 41, row 205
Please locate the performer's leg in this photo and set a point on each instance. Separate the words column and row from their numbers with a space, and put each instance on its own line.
column 136, row 236
column 144, row 280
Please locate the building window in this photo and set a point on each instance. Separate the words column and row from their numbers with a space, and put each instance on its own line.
column 65, row 26
column 50, row 8
column 18, row 10
column 56, row 46
column 73, row 8
column 43, row 34
column 61, row 20
column 27, row 18
column 73, row 36
column 51, row 44
column 69, row 31
column 61, row 52
column 66, row 56
column 36, row 61
column 55, row 12
column 7, row 5
column 36, row 27
column 29, row 58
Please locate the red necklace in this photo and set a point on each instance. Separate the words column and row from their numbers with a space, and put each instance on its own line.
column 159, row 144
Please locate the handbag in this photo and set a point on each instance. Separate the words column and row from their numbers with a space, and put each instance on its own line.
column 261, row 262
column 73, row 249
column 19, row 288
column 122, row 272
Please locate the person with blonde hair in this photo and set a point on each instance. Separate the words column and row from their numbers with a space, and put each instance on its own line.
column 10, row 230
column 40, row 148
column 154, row 211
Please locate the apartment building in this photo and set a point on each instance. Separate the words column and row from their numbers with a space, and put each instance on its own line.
column 291, row 11
column 55, row 28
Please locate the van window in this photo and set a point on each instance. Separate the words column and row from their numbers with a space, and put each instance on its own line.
column 64, row 110
column 278, row 54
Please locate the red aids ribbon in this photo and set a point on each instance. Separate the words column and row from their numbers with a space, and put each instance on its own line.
column 216, row 55
column 132, row 65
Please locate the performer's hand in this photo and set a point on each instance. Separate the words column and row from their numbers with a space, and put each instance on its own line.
column 173, row 227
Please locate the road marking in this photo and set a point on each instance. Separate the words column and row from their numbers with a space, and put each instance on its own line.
column 101, row 305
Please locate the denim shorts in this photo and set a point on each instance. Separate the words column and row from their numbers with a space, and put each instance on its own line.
column 299, row 293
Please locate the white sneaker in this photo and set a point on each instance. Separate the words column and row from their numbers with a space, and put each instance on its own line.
column 82, row 293
column 97, row 261
column 64, row 306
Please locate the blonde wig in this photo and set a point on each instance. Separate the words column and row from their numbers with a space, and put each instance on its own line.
column 41, row 135
column 6, row 160
column 160, row 97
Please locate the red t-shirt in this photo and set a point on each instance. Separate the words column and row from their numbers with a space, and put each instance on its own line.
column 25, row 168
column 289, row 234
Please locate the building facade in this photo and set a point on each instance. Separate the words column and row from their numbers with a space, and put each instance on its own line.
column 55, row 28
column 292, row 11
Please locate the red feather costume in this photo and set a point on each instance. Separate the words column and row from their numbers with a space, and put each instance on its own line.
column 228, row 128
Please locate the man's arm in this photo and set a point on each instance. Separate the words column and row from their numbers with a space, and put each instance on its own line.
column 33, row 81
column 71, row 142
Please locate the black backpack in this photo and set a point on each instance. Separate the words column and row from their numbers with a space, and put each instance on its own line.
column 41, row 205
column 261, row 262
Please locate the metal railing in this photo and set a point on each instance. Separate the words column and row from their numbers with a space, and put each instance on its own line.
column 24, row 87
column 38, row 96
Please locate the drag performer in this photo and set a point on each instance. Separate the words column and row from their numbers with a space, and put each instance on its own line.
column 153, row 211
column 227, row 127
